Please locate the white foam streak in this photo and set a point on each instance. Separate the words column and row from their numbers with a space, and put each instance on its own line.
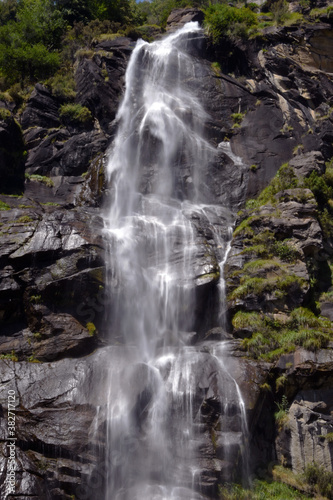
column 155, row 174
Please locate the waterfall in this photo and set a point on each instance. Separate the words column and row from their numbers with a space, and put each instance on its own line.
column 167, row 244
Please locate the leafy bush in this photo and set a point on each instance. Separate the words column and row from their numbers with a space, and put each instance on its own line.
column 62, row 85
column 75, row 113
column 27, row 62
column 222, row 20
column 320, row 478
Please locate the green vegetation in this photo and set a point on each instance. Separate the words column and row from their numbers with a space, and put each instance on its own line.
column 316, row 13
column 40, row 178
column 237, row 119
column 269, row 278
column 261, row 490
column 33, row 359
column 50, row 204
column 328, row 437
column 4, row 114
column 62, row 85
column 279, row 285
column 222, row 20
column 270, row 338
column 322, row 188
column 216, row 67
column 75, row 113
column 24, row 219
column 11, row 356
column 320, row 479
column 4, row 206
column 35, row 299
column 92, row 330
column 284, row 179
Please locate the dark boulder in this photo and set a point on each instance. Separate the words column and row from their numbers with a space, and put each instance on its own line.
column 11, row 156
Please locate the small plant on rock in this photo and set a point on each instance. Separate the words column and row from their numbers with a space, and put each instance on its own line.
column 237, row 119
column 11, row 356
column 281, row 416
column 76, row 114
column 92, row 330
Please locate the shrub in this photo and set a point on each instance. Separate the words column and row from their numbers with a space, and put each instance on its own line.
column 222, row 20
column 91, row 329
column 280, row 11
column 251, row 320
column 75, row 113
column 27, row 62
column 321, row 478
column 62, row 85
column 4, row 114
column 84, row 54
column 285, row 251
column 237, row 119
column 271, row 338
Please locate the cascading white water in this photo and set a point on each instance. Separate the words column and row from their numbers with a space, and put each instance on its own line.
column 155, row 172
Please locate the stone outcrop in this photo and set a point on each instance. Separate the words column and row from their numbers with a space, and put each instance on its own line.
column 304, row 437
column 11, row 156
column 179, row 17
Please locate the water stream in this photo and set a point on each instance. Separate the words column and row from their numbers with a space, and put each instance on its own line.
column 167, row 245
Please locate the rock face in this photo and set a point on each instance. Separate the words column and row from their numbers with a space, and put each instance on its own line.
column 11, row 156
column 179, row 17
column 269, row 105
column 304, row 437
